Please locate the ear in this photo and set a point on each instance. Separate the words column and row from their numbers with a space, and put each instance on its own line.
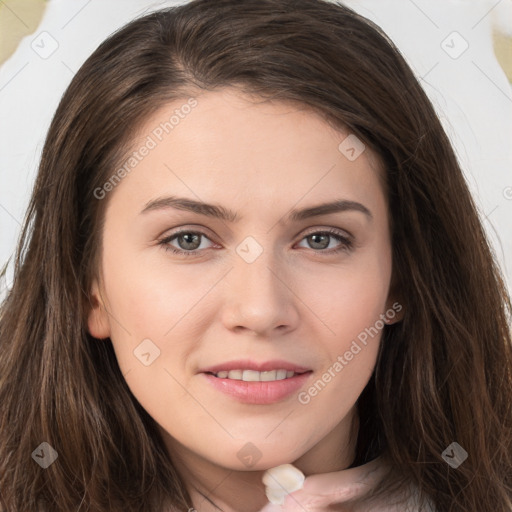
column 97, row 320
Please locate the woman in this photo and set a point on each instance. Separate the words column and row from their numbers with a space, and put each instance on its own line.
column 178, row 325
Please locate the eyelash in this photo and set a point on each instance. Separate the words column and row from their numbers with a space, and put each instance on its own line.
column 346, row 243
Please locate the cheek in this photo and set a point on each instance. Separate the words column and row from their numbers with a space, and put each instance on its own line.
column 349, row 302
column 351, row 333
column 349, row 299
column 148, row 297
column 163, row 303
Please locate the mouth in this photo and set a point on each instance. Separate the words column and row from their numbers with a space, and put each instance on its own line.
column 257, row 383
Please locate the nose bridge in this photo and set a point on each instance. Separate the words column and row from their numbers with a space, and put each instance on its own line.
column 256, row 269
column 259, row 298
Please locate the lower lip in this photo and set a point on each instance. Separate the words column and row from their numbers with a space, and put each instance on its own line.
column 260, row 393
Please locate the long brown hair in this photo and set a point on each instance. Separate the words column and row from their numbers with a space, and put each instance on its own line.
column 443, row 374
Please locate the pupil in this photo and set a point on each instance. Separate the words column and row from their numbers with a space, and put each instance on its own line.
column 187, row 236
column 314, row 237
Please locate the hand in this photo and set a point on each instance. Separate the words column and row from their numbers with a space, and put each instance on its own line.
column 321, row 491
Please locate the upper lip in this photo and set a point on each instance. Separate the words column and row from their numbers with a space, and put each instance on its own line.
column 246, row 364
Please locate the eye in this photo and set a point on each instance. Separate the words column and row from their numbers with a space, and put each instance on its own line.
column 320, row 240
column 189, row 242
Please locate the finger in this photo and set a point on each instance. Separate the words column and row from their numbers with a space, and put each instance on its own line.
column 344, row 485
column 270, row 507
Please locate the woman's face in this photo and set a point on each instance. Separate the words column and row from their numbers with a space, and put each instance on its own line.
column 270, row 290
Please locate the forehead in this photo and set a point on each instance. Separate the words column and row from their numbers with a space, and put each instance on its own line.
column 231, row 144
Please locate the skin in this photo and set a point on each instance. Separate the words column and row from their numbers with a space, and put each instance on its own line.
column 297, row 301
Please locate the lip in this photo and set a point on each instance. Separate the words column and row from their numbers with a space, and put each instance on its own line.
column 247, row 364
column 258, row 393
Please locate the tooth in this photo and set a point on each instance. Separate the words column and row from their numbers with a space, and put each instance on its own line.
column 255, row 376
column 235, row 374
column 281, row 374
column 270, row 375
column 251, row 376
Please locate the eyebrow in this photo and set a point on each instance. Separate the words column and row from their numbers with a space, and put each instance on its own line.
column 220, row 212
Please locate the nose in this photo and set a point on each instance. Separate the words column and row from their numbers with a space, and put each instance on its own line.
column 259, row 297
